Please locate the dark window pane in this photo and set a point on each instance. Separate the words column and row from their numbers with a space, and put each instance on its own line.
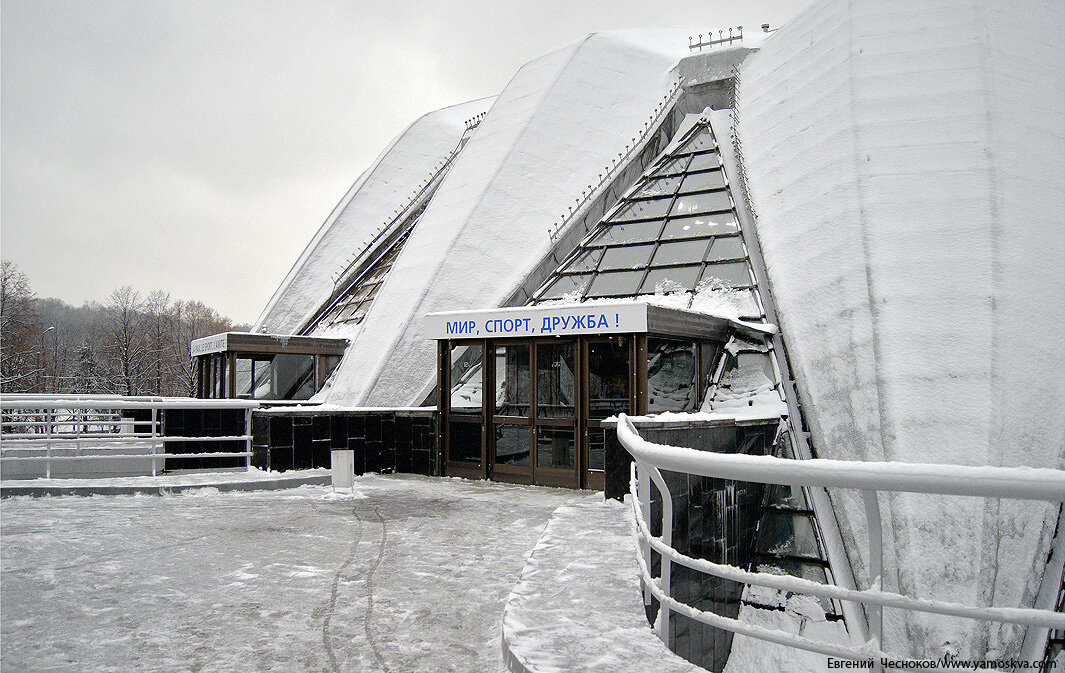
column 697, row 182
column 675, row 279
column 512, row 444
column 807, row 571
column 702, row 203
column 597, row 449
column 787, row 534
column 512, row 380
column 729, row 247
column 659, row 186
column 554, row 380
column 294, row 376
column 565, row 285
column 647, row 209
column 672, row 166
column 585, row 261
column 681, row 252
column 608, row 378
column 615, row 283
column 786, row 496
column 671, row 376
column 554, row 448
column 637, row 232
column 326, row 365
column 626, row 257
column 262, row 380
column 464, row 441
column 702, row 161
column 466, row 381
column 733, row 273
column 704, row 140
column 701, row 225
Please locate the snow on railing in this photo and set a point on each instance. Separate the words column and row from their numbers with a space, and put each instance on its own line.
column 71, row 424
column 869, row 478
column 721, row 38
column 616, row 164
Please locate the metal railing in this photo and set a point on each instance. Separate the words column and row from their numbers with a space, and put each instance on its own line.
column 62, row 428
column 869, row 478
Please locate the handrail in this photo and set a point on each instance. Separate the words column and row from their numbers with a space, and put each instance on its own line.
column 73, row 424
column 869, row 478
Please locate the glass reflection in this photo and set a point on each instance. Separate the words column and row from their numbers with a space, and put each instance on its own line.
column 608, row 382
column 701, row 203
column 512, row 380
column 554, row 448
column 466, row 379
column 512, row 444
column 554, row 380
column 615, row 283
column 671, row 375
column 701, row 225
column 674, row 279
column 698, row 182
column 626, row 256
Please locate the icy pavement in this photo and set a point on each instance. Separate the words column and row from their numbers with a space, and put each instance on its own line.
column 223, row 480
column 410, row 574
column 578, row 605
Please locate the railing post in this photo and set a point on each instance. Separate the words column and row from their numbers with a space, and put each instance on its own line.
column 876, row 563
column 643, row 492
column 665, row 573
column 248, row 441
column 48, row 444
column 155, row 426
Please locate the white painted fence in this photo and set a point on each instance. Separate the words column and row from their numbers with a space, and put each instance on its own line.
column 87, row 428
column 869, row 478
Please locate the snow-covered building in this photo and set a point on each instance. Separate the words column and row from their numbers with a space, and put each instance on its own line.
column 849, row 229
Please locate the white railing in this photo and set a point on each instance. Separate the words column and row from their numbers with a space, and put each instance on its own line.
column 869, row 478
column 62, row 428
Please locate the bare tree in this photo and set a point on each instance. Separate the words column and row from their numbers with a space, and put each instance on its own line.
column 125, row 334
column 192, row 320
column 20, row 331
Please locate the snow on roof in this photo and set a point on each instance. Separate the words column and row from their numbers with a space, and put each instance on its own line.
column 906, row 168
column 385, row 186
column 557, row 123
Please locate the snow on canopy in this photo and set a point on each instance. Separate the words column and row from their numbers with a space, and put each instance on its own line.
column 905, row 166
column 385, row 186
column 559, row 121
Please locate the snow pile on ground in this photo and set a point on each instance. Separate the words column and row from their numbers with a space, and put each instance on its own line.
column 386, row 186
column 905, row 166
column 559, row 121
column 578, row 606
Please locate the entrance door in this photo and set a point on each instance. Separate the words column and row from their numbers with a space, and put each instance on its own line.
column 463, row 438
column 608, row 392
column 533, row 431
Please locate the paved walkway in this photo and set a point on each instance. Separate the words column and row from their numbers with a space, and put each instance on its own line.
column 411, row 574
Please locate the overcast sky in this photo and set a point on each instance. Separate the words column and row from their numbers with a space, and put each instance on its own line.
column 195, row 147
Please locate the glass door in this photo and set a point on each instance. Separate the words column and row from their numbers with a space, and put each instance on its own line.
column 609, row 392
column 555, row 418
column 464, row 450
column 511, row 428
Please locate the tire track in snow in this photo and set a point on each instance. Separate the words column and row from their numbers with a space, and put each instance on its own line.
column 333, row 593
column 368, row 615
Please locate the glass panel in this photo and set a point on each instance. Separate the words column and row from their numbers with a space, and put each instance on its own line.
column 627, row 256
column 326, row 365
column 262, row 380
column 628, row 233
column 585, row 261
column 807, row 571
column 659, row 186
column 697, row 182
column 786, row 496
column 597, row 449
column 464, row 441
column 733, row 273
column 729, row 247
column 671, row 375
column 466, row 386
column 512, row 444
column 565, row 285
column 554, row 448
column 243, row 375
column 608, row 378
column 615, row 283
column 701, row 225
column 679, row 278
column 294, row 376
column 704, row 140
column 701, row 203
column 681, row 252
column 787, row 534
column 512, row 380
column 702, row 161
column 672, row 166
column 554, row 380
column 649, row 209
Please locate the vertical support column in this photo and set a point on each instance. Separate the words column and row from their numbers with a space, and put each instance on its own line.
column 49, row 415
column 443, row 400
column 876, row 563
column 643, row 497
column 640, row 363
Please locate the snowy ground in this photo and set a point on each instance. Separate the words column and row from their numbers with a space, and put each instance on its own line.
column 409, row 575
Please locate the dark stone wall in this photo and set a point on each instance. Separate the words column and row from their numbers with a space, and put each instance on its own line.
column 200, row 423
column 383, row 440
column 714, row 519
